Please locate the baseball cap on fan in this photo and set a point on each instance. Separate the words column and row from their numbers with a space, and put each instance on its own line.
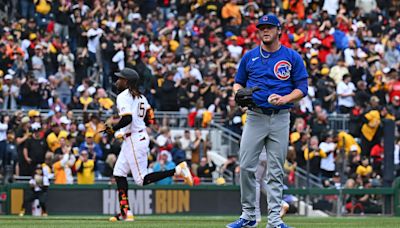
column 269, row 19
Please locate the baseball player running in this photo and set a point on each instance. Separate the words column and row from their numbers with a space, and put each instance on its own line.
column 274, row 77
column 135, row 113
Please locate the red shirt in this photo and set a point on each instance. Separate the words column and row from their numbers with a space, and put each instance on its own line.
column 285, row 41
column 322, row 55
column 395, row 91
column 377, row 152
column 251, row 28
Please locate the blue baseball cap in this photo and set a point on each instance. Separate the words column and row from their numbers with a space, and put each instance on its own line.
column 269, row 19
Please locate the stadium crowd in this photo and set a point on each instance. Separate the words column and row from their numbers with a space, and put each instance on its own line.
column 61, row 55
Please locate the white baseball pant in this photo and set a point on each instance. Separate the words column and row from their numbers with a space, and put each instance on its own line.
column 133, row 157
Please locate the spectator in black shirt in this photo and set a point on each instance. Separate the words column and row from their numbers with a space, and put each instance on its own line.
column 11, row 155
column 22, row 135
column 362, row 96
column 205, row 169
column 326, row 90
column 319, row 124
column 5, row 61
column 168, row 94
column 208, row 90
column 30, row 28
column 300, row 145
column 34, row 148
column 30, row 95
column 62, row 11
column 184, row 96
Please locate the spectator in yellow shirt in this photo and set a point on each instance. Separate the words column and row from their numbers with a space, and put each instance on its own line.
column 42, row 6
column 94, row 126
column 105, row 102
column 53, row 139
column 230, row 9
column 346, row 141
column 85, row 168
column 370, row 129
column 85, row 99
column 364, row 169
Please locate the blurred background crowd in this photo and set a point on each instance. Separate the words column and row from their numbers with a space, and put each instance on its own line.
column 61, row 55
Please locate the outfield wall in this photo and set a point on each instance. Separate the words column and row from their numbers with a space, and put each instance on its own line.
column 103, row 199
column 175, row 199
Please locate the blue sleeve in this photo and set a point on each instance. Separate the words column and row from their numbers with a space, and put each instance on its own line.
column 82, row 147
column 300, row 74
column 99, row 151
column 241, row 75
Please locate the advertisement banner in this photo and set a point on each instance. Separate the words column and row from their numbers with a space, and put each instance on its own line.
column 103, row 199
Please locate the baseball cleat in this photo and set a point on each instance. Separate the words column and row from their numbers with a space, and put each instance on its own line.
column 283, row 225
column 113, row 219
column 119, row 217
column 183, row 170
column 241, row 223
column 129, row 217
column 116, row 218
column 284, row 209
column 22, row 212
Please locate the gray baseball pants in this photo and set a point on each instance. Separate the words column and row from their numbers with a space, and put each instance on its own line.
column 271, row 131
column 261, row 181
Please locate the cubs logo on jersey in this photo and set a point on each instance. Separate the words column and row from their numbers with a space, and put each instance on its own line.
column 282, row 70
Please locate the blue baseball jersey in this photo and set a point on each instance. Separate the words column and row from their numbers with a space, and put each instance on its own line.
column 280, row 73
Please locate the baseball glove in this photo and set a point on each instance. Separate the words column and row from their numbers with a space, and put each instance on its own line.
column 244, row 96
column 109, row 129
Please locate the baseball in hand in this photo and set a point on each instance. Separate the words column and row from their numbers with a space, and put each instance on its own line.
column 272, row 98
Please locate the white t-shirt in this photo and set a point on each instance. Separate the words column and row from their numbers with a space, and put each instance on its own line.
column 161, row 140
column 68, row 59
column 328, row 163
column 137, row 107
column 349, row 56
column 306, row 102
column 154, row 48
column 236, row 51
column 40, row 71
column 119, row 58
column 25, row 45
column 396, row 154
column 343, row 89
column 331, row 6
column 186, row 147
column 196, row 74
column 94, row 42
column 84, row 9
column 3, row 131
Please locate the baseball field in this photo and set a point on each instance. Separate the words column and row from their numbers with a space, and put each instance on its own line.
column 192, row 221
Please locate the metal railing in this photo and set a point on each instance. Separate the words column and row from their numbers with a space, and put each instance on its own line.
column 177, row 119
column 225, row 141
column 301, row 179
column 339, row 122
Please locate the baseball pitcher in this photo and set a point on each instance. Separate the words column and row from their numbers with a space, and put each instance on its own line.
column 276, row 77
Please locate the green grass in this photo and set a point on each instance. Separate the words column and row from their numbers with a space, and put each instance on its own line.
column 192, row 221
